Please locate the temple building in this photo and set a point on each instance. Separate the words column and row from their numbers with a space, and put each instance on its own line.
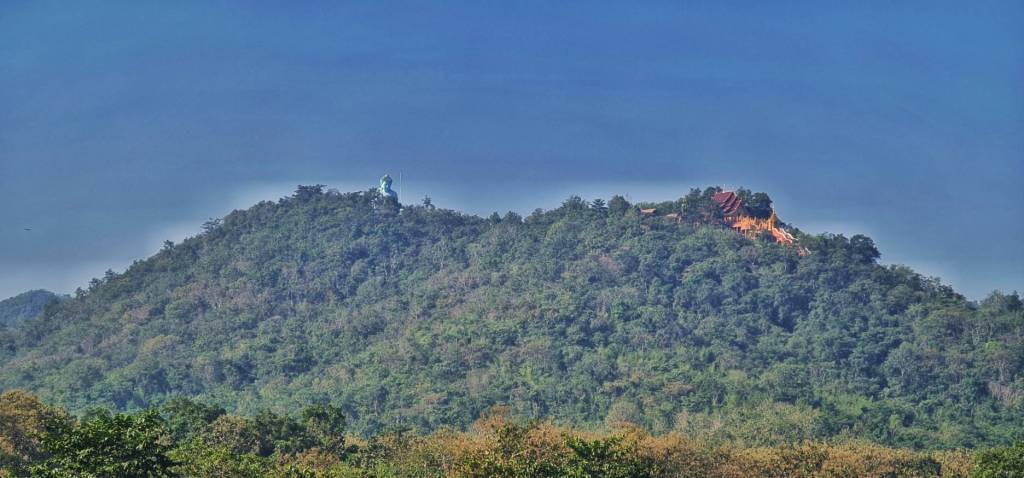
column 730, row 204
column 737, row 217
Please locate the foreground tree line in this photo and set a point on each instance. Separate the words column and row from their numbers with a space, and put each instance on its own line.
column 184, row 438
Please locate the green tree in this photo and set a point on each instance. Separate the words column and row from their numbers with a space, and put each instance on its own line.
column 234, row 434
column 326, row 424
column 1003, row 462
column 757, row 204
column 187, row 418
column 112, row 446
column 618, row 205
column 308, row 193
column 606, row 458
column 198, row 459
column 281, row 433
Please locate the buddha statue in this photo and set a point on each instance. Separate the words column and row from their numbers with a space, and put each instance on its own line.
column 385, row 188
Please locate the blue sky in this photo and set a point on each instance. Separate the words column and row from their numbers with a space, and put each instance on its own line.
column 126, row 123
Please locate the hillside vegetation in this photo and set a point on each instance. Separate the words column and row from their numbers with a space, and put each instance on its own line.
column 24, row 306
column 187, row 439
column 590, row 314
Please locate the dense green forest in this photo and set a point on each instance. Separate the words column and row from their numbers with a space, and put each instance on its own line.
column 417, row 318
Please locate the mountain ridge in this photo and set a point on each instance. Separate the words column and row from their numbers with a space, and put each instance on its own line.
column 591, row 313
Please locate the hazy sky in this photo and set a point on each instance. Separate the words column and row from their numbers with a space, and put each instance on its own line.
column 126, row 123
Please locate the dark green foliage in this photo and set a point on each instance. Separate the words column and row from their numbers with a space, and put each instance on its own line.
column 756, row 204
column 1004, row 462
column 318, row 426
column 309, row 193
column 111, row 446
column 282, row 433
column 698, row 207
column 605, row 458
column 422, row 318
column 326, row 424
column 517, row 455
column 618, row 205
column 185, row 418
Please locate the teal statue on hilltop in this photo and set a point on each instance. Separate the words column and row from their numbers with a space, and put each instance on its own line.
column 385, row 188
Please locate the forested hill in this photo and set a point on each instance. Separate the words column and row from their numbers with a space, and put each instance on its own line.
column 590, row 313
column 24, row 306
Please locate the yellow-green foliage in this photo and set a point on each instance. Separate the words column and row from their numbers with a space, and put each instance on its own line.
column 497, row 447
column 22, row 424
column 214, row 444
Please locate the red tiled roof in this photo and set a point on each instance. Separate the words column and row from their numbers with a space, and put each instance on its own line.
column 728, row 201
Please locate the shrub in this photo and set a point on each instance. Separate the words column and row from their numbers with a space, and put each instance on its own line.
column 1004, row 462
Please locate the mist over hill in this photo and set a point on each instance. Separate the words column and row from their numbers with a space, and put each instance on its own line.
column 592, row 313
column 24, row 306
